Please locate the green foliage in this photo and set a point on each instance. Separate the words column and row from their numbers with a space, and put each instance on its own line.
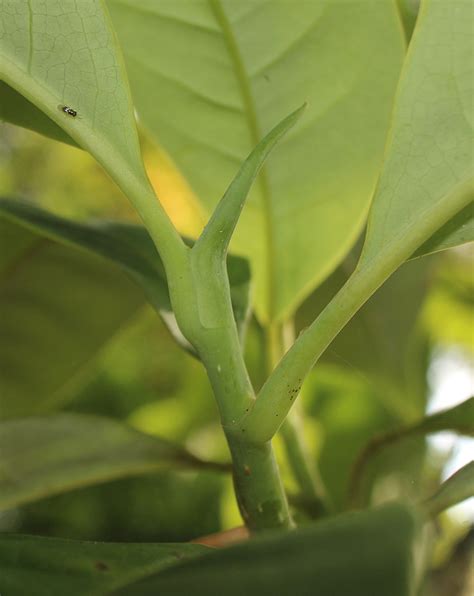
column 248, row 68
column 426, row 179
column 61, row 57
column 59, row 305
column 457, row 488
column 427, row 174
column 459, row 230
column 458, row 419
column 67, row 261
column 15, row 108
column 308, row 560
column 53, row 567
column 208, row 79
column 46, row 456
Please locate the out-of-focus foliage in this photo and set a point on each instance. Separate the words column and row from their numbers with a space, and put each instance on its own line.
column 45, row 259
column 43, row 456
column 451, row 301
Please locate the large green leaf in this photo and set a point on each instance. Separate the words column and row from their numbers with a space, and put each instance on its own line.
column 349, row 554
column 63, row 295
column 426, row 180
column 46, row 456
column 427, row 176
column 53, row 567
column 58, row 54
column 58, row 306
column 209, row 78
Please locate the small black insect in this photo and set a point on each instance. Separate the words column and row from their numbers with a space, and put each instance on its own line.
column 69, row 111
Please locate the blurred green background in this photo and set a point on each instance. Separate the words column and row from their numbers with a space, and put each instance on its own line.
column 410, row 350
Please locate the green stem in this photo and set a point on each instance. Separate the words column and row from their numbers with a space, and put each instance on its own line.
column 201, row 302
column 259, row 491
column 260, row 494
column 278, row 339
column 277, row 395
column 200, row 295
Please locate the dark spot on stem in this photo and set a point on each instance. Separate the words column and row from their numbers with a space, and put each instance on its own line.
column 247, row 471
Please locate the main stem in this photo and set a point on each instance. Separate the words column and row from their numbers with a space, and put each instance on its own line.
column 259, row 491
column 201, row 301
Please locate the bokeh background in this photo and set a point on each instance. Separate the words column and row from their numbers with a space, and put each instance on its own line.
column 409, row 351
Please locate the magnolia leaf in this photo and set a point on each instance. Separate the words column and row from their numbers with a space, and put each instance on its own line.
column 348, row 554
column 427, row 178
column 46, row 456
column 55, row 567
column 252, row 63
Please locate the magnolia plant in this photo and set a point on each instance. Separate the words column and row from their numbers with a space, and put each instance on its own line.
column 363, row 134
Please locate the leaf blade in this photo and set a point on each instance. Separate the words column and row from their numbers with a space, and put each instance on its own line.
column 244, row 76
column 427, row 175
column 344, row 555
column 84, row 73
column 44, row 456
column 54, row 566
column 65, row 265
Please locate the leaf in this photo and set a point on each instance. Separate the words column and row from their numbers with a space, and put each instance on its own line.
column 459, row 419
column 55, row 567
column 251, row 64
column 426, row 179
column 58, row 306
column 408, row 13
column 45, row 456
column 457, row 488
column 18, row 110
column 427, row 176
column 457, row 231
column 65, row 54
column 53, row 270
column 348, row 554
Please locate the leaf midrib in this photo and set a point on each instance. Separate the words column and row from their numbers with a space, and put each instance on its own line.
column 251, row 115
